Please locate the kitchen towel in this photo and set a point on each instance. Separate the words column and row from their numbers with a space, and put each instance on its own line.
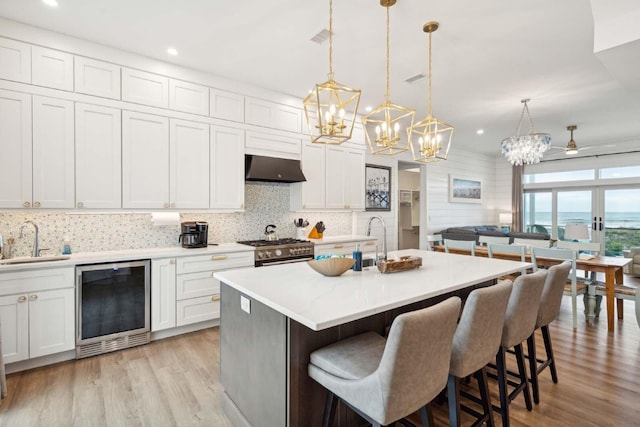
column 165, row 218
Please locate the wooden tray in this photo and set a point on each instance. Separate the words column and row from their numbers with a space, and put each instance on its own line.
column 402, row 264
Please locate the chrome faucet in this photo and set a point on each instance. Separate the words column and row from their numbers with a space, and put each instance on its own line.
column 384, row 235
column 36, row 240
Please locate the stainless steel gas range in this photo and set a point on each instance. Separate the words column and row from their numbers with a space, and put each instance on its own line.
column 281, row 251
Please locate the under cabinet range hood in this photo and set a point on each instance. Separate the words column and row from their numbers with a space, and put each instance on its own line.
column 272, row 169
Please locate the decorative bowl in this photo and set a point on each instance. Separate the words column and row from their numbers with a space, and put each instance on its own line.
column 331, row 266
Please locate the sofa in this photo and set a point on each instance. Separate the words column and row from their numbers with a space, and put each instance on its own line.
column 475, row 231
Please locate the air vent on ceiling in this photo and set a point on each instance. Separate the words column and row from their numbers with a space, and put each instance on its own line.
column 321, row 37
column 415, row 78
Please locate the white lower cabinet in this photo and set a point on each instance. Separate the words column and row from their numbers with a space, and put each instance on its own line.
column 36, row 318
column 184, row 291
column 346, row 248
column 163, row 294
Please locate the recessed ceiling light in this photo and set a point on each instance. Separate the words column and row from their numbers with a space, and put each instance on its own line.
column 52, row 3
column 480, row 131
column 368, row 109
column 172, row 51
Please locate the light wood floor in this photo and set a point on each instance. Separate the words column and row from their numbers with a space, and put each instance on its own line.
column 174, row 382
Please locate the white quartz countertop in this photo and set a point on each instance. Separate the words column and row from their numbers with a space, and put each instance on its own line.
column 127, row 254
column 320, row 302
column 345, row 238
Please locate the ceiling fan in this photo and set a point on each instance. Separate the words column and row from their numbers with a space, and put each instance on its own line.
column 572, row 148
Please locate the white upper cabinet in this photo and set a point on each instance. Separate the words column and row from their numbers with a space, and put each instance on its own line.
column 98, row 157
column 354, row 193
column 145, row 88
column 15, row 146
column 189, row 177
column 273, row 145
column 145, row 161
column 53, row 153
column 335, row 177
column 226, row 105
column 273, row 115
column 15, row 60
column 188, row 97
column 311, row 193
column 51, row 68
column 97, row 78
column 227, row 168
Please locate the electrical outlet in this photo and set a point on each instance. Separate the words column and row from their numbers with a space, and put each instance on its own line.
column 245, row 304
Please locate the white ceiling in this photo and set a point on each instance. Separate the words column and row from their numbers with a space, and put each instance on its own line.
column 487, row 55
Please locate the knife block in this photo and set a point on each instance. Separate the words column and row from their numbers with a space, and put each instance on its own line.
column 314, row 234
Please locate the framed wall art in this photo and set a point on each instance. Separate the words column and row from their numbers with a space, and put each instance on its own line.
column 465, row 190
column 377, row 187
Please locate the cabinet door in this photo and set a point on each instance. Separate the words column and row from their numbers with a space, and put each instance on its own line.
column 354, row 193
column 14, row 320
column 227, row 168
column 194, row 285
column 196, row 310
column 15, row 60
column 272, row 145
column 273, row 115
column 226, row 105
column 15, row 161
column 335, row 177
column 188, row 97
column 51, row 322
column 51, row 68
column 98, row 157
column 312, row 191
column 189, row 178
column 53, row 153
column 163, row 294
column 145, row 161
column 97, row 78
column 145, row 88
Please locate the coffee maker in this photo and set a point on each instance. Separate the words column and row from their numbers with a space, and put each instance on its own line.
column 194, row 234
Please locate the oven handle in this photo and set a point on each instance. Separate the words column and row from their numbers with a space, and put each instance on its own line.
column 288, row 261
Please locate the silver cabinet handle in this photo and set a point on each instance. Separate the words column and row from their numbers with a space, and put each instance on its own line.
column 22, row 298
column 33, row 297
column 26, row 204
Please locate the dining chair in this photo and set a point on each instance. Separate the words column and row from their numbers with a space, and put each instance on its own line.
column 432, row 240
column 386, row 380
column 475, row 344
column 465, row 245
column 548, row 310
column 485, row 240
column 571, row 287
column 592, row 300
column 519, row 323
column 537, row 243
column 495, row 248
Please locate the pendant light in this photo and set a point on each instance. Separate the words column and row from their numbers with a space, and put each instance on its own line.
column 388, row 126
column 430, row 137
column 526, row 149
column 331, row 107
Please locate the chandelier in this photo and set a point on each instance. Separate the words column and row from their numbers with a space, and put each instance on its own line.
column 526, row 149
column 331, row 107
column 388, row 126
column 430, row 137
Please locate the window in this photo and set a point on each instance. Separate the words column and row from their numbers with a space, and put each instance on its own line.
column 577, row 175
column 620, row 172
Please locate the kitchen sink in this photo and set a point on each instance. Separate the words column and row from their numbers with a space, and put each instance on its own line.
column 29, row 259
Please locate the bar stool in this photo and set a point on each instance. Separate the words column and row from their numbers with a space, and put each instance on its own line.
column 550, row 302
column 466, row 245
column 475, row 343
column 519, row 322
column 386, row 380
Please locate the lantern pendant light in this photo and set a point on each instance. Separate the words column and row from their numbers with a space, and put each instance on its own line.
column 431, row 137
column 388, row 126
column 331, row 107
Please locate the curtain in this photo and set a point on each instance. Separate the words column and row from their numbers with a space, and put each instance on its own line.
column 516, row 197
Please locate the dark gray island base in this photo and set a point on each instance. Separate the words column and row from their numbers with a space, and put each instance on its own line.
column 264, row 357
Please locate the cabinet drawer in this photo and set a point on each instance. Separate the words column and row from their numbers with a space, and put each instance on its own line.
column 196, row 310
column 33, row 280
column 194, row 264
column 346, row 248
column 193, row 285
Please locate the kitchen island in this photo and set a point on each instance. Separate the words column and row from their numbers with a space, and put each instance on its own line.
column 272, row 318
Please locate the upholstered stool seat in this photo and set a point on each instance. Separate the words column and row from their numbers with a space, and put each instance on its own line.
column 386, row 380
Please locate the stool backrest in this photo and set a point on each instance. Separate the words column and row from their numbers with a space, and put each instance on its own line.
column 537, row 243
column 415, row 363
column 484, row 240
column 522, row 310
column 508, row 249
column 478, row 334
column 552, row 292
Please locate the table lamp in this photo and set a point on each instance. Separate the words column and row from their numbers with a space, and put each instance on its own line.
column 505, row 221
column 576, row 232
